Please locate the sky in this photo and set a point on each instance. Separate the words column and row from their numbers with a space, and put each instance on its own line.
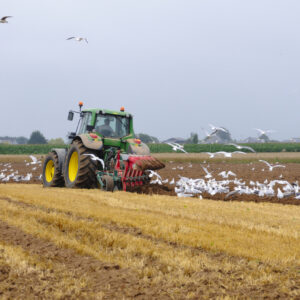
column 176, row 65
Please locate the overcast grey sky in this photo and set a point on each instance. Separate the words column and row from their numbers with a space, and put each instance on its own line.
column 176, row 65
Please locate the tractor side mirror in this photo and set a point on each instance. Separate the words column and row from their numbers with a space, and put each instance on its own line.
column 89, row 127
column 70, row 115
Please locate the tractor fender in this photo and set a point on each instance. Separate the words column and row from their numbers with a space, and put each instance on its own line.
column 137, row 149
column 91, row 141
column 61, row 154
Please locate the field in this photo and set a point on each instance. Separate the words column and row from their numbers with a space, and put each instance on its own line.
column 62, row 243
column 161, row 148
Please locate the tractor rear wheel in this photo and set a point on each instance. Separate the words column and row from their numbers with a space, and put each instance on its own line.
column 52, row 175
column 79, row 168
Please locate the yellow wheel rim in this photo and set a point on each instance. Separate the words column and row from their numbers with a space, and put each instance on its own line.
column 73, row 166
column 49, row 170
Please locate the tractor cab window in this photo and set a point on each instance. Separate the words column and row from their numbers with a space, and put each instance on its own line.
column 112, row 125
column 86, row 120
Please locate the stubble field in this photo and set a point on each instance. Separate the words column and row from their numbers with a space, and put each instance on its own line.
column 62, row 243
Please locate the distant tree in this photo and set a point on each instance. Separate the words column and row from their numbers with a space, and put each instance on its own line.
column 21, row 140
column 57, row 141
column 37, row 137
column 147, row 139
column 193, row 139
column 264, row 137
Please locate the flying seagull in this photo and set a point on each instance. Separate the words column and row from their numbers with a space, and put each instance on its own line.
column 242, row 147
column 215, row 129
column 78, row 39
column 176, row 147
column 271, row 167
column 264, row 132
column 3, row 20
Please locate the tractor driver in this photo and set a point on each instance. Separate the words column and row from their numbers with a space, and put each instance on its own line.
column 105, row 129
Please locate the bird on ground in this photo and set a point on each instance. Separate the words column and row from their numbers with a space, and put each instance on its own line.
column 78, row 39
column 94, row 157
column 34, row 159
column 242, row 147
column 3, row 19
column 152, row 173
column 271, row 167
column 225, row 174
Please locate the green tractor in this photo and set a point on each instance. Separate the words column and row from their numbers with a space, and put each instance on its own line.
column 103, row 153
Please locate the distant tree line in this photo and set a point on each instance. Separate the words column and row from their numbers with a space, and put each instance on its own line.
column 36, row 138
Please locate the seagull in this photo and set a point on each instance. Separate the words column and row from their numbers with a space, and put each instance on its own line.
column 242, row 147
column 271, row 167
column 279, row 194
column 226, row 175
column 34, row 160
column 176, row 147
column 152, row 173
column 239, row 152
column 262, row 132
column 215, row 129
column 226, row 154
column 94, row 157
column 3, row 20
column 208, row 175
column 78, row 39
column 211, row 155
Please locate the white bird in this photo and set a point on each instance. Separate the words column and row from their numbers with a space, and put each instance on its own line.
column 184, row 195
column 239, row 152
column 172, row 181
column 27, row 177
column 211, row 155
column 94, row 157
column 208, row 174
column 215, row 129
column 78, row 39
column 242, row 147
column 271, row 167
column 176, row 147
column 152, row 173
column 3, row 19
column 34, row 159
column 226, row 175
column 279, row 194
column 264, row 132
column 226, row 154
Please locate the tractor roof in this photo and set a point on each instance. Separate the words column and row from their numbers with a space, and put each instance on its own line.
column 106, row 111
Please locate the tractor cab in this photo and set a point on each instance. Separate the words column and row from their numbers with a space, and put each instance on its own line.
column 104, row 123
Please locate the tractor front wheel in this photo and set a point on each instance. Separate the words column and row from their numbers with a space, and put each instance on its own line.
column 52, row 175
column 79, row 168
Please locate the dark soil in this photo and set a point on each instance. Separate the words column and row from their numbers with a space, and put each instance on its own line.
column 255, row 171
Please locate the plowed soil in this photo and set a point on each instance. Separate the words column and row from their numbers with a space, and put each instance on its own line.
column 252, row 171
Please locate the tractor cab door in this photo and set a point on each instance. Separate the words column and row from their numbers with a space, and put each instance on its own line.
column 85, row 121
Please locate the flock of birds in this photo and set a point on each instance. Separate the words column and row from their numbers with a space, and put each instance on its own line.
column 230, row 185
column 8, row 174
column 75, row 38
column 190, row 187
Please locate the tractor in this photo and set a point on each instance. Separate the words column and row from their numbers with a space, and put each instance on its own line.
column 102, row 153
